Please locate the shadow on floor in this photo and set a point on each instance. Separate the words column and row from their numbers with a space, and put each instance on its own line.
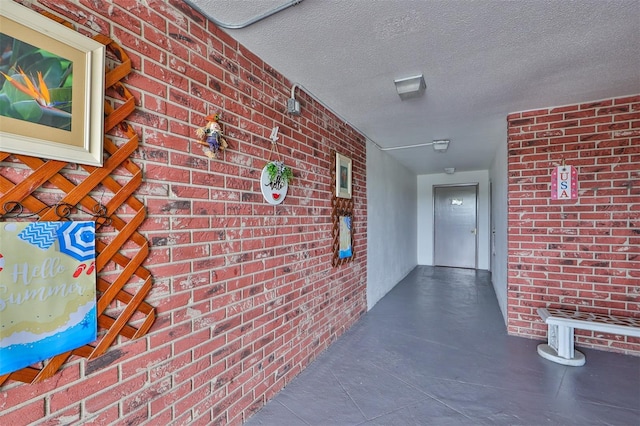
column 435, row 351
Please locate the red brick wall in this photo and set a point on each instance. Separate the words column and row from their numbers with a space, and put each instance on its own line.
column 245, row 292
column 579, row 254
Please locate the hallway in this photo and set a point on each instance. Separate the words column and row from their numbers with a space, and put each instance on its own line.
column 435, row 351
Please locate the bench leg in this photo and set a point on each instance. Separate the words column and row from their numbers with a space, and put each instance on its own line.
column 560, row 347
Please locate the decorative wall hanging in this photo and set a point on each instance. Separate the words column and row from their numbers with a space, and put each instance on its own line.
column 342, row 213
column 121, row 293
column 48, row 299
column 345, row 247
column 564, row 183
column 275, row 176
column 343, row 176
column 52, row 86
column 211, row 136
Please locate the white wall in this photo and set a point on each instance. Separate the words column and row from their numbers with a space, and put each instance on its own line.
column 425, row 213
column 499, row 213
column 391, row 223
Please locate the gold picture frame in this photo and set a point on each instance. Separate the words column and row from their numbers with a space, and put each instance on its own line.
column 51, row 89
column 343, row 176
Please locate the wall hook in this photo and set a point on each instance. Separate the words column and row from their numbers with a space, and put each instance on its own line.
column 274, row 135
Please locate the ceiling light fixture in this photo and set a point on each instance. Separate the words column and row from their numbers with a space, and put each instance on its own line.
column 449, row 170
column 410, row 87
column 441, row 145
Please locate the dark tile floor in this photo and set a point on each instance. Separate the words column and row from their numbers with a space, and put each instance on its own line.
column 435, row 351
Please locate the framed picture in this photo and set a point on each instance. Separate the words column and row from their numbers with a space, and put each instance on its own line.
column 345, row 241
column 51, row 88
column 343, row 176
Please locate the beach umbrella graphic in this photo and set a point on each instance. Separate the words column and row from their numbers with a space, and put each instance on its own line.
column 78, row 240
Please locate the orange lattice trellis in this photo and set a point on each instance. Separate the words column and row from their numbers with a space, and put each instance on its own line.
column 339, row 207
column 121, row 312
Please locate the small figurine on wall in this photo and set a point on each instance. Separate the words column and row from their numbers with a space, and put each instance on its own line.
column 211, row 136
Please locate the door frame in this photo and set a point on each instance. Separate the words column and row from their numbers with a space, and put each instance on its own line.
column 433, row 214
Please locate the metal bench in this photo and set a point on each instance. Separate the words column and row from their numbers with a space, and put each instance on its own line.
column 561, row 323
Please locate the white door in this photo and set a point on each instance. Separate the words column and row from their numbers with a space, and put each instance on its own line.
column 455, row 226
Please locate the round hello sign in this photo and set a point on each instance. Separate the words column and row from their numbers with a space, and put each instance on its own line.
column 274, row 182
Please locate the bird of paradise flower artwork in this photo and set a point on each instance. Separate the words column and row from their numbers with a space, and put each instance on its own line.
column 36, row 85
column 40, row 93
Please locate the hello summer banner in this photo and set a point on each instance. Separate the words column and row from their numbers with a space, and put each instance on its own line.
column 47, row 290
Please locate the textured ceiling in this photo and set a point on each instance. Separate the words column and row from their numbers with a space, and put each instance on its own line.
column 481, row 60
